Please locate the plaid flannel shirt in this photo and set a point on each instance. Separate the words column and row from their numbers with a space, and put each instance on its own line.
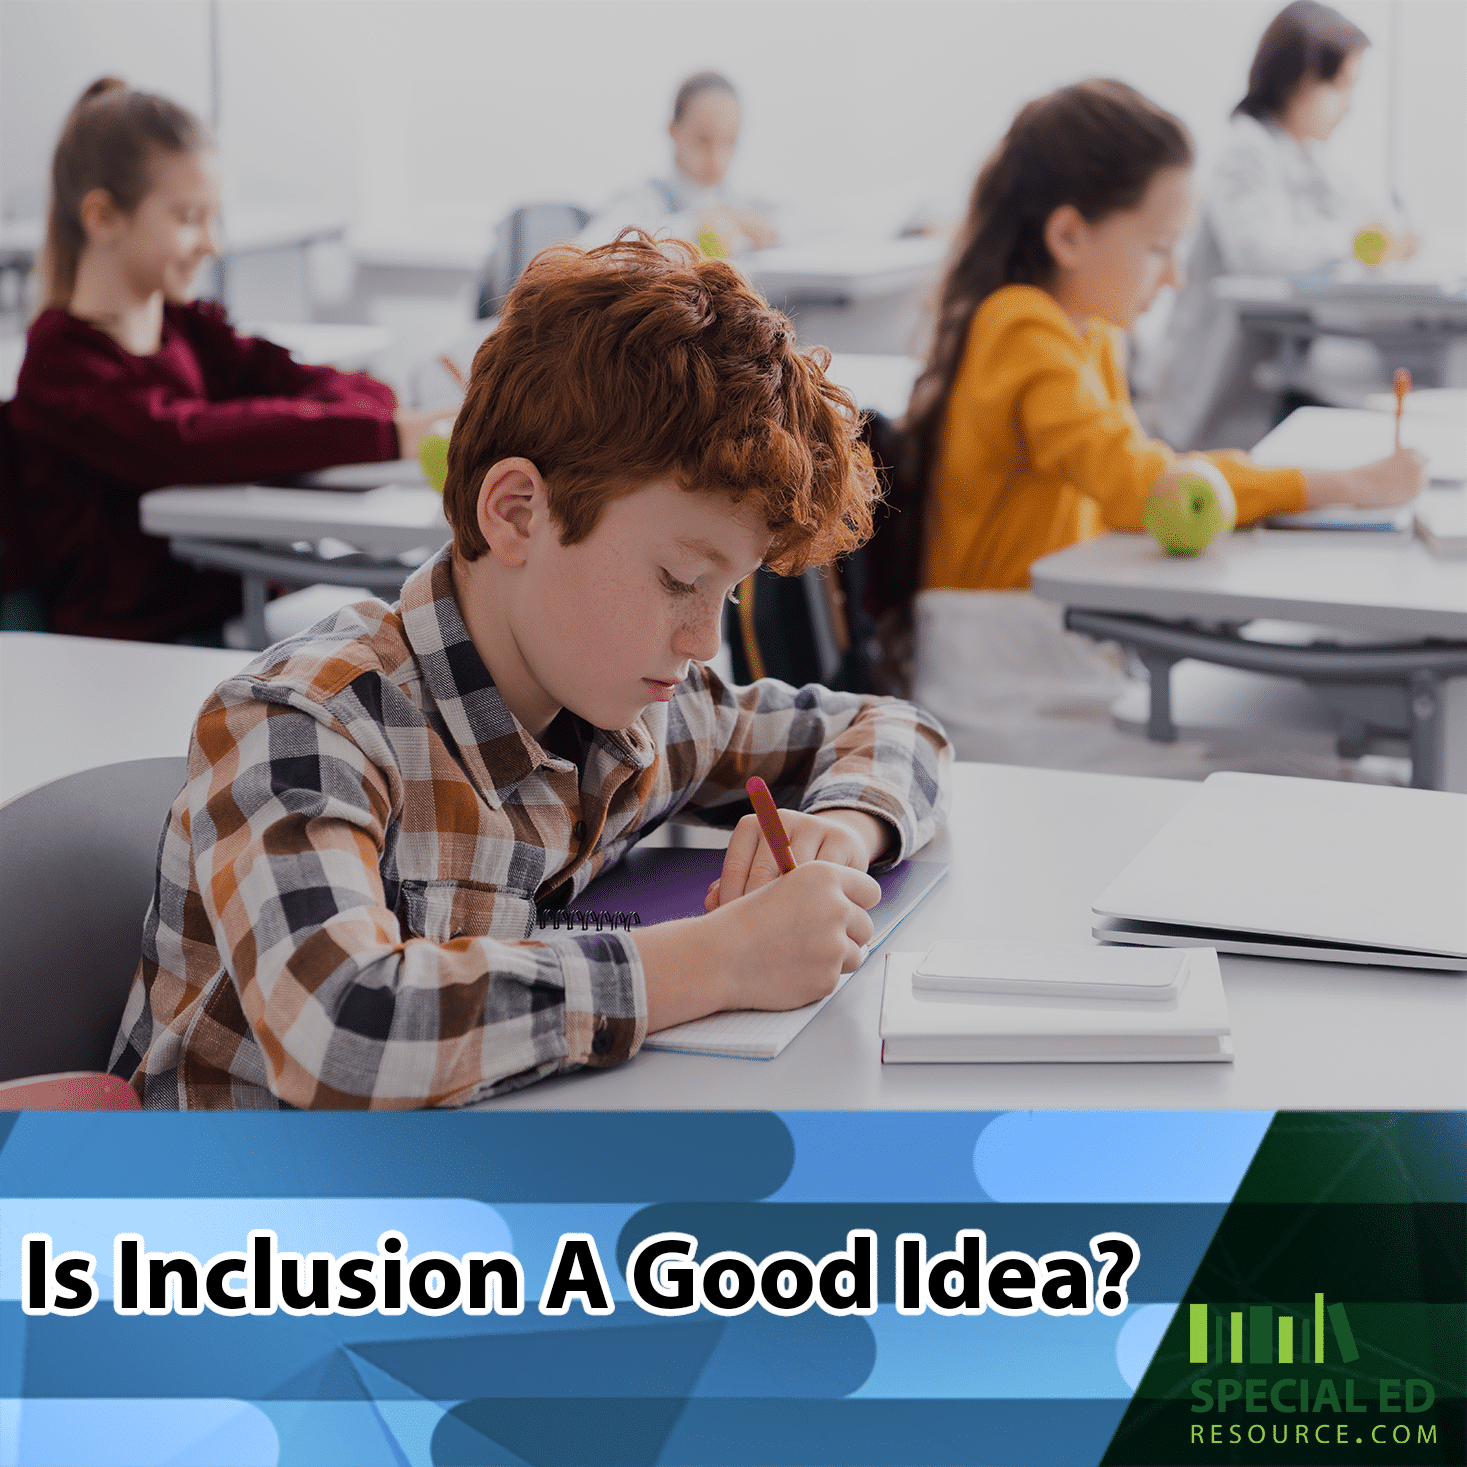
column 347, row 884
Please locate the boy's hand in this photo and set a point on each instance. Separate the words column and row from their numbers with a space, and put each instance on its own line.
column 780, row 947
column 841, row 837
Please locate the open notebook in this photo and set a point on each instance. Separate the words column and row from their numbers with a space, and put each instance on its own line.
column 662, row 885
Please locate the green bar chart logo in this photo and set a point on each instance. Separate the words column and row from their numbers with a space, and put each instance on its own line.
column 1274, row 1336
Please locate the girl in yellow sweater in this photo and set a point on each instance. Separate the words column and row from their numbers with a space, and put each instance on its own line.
column 1021, row 428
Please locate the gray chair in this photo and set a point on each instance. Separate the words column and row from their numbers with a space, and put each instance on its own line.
column 518, row 238
column 77, row 864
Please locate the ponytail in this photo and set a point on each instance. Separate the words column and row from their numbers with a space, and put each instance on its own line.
column 1096, row 146
column 109, row 141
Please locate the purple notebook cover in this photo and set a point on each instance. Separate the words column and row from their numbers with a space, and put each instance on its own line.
column 662, row 884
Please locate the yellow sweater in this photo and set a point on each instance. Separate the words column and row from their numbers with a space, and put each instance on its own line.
column 1041, row 448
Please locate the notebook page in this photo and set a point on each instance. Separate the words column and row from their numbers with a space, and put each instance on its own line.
column 756, row 1034
column 741, row 1033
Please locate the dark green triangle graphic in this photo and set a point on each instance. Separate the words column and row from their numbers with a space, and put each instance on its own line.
column 1348, row 1236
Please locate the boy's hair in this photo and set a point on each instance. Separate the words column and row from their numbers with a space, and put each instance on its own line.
column 110, row 140
column 1305, row 41
column 639, row 361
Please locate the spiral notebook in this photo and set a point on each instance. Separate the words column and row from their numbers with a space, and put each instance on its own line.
column 662, row 885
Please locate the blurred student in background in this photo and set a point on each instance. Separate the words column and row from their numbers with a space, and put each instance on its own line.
column 694, row 202
column 130, row 383
column 1021, row 432
column 1275, row 205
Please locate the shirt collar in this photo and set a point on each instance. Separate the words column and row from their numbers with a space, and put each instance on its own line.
column 498, row 750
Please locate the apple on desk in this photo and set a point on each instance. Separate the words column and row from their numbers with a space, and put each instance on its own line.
column 433, row 455
column 1190, row 506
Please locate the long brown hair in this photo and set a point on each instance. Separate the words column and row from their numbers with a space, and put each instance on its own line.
column 1095, row 145
column 1305, row 41
column 110, row 141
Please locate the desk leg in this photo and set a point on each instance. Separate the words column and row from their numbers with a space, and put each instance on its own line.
column 1159, row 726
column 254, row 611
column 1452, row 732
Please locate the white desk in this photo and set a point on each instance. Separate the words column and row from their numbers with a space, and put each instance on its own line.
column 72, row 703
column 1030, row 850
column 324, row 343
column 392, row 519
column 1344, row 438
column 1357, row 581
column 850, row 294
column 1412, row 311
column 878, row 382
column 1382, row 585
column 836, row 271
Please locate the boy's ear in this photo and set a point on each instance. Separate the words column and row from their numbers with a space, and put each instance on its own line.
column 510, row 508
column 1064, row 236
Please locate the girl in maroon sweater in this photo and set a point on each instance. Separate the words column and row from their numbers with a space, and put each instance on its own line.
column 129, row 383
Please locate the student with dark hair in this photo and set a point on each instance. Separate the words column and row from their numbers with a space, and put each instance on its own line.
column 694, row 201
column 345, row 913
column 1021, row 432
column 130, row 383
column 1273, row 206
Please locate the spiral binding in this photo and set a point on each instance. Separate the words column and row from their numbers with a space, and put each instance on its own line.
column 599, row 919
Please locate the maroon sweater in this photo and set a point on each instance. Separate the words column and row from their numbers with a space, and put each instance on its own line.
column 96, row 426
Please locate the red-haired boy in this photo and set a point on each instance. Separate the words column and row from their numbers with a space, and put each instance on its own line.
column 349, row 880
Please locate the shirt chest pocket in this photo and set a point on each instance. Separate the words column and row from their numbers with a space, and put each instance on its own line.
column 443, row 910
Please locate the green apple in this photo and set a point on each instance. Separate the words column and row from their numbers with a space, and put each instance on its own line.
column 1371, row 246
column 433, row 455
column 1190, row 506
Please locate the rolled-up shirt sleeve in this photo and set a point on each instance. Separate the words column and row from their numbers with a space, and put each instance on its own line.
column 822, row 750
column 288, row 819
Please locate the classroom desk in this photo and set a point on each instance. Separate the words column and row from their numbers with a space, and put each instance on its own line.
column 1411, row 312
column 346, row 347
column 1344, row 438
column 72, row 703
column 879, row 382
column 851, row 295
column 1381, row 586
column 376, row 537
column 389, row 520
column 839, row 271
column 1030, row 849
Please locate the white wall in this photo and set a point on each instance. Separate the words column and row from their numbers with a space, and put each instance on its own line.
column 422, row 114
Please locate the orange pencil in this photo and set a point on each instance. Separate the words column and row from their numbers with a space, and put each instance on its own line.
column 451, row 367
column 1402, row 384
column 771, row 824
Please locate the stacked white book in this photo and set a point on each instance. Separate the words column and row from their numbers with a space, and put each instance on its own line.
column 1028, row 1003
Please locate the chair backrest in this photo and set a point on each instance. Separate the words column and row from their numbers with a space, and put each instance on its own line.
column 849, row 625
column 800, row 628
column 78, row 862
column 518, row 238
column 20, row 610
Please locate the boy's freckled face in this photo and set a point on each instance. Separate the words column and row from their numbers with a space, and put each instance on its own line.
column 609, row 626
